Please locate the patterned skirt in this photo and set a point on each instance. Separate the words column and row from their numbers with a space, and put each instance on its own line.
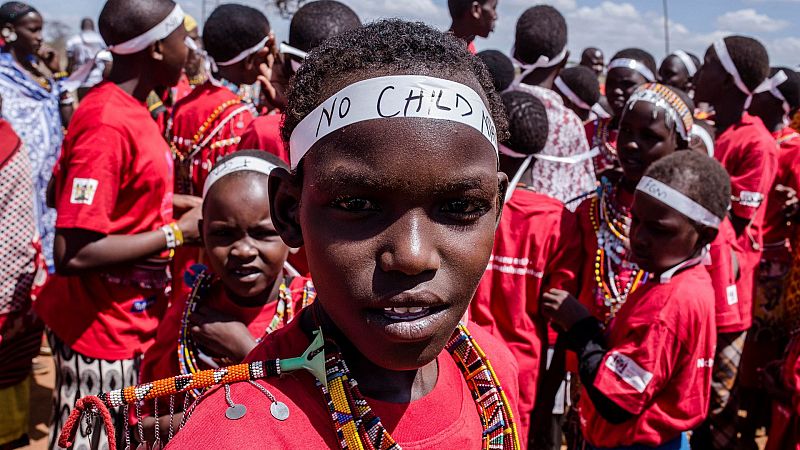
column 78, row 375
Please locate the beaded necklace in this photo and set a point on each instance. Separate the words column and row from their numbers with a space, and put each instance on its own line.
column 187, row 348
column 358, row 428
column 612, row 227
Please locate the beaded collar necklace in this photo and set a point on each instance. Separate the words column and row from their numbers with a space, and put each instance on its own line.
column 187, row 348
column 357, row 426
column 611, row 223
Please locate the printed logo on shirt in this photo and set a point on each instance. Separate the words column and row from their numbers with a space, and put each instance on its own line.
column 143, row 304
column 703, row 362
column 513, row 266
column 733, row 296
column 83, row 190
column 629, row 371
column 752, row 199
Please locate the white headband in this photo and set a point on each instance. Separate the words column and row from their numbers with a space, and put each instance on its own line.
column 157, row 33
column 571, row 95
column 687, row 61
column 289, row 50
column 678, row 201
column 542, row 62
column 655, row 99
column 704, row 136
column 393, row 97
column 237, row 164
column 721, row 50
column 627, row 63
column 245, row 53
column 772, row 84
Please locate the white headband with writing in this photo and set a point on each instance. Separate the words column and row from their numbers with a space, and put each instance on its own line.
column 572, row 96
column 704, row 136
column 687, row 61
column 237, row 164
column 245, row 53
column 157, row 33
column 678, row 201
column 393, row 97
column 627, row 63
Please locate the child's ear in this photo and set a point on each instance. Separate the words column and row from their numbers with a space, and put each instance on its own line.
column 476, row 10
column 707, row 235
column 284, row 206
column 156, row 51
column 502, row 187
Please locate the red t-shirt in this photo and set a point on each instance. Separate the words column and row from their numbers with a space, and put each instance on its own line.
column 445, row 418
column 788, row 174
column 658, row 367
column 114, row 178
column 161, row 360
column 749, row 154
column 535, row 249
column 723, row 278
column 264, row 133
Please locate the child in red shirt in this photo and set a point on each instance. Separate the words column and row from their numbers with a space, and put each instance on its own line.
column 734, row 68
column 312, row 24
column 244, row 295
column 647, row 377
column 115, row 227
column 531, row 254
column 472, row 19
column 398, row 237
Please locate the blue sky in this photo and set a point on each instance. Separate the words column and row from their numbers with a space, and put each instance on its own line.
column 608, row 25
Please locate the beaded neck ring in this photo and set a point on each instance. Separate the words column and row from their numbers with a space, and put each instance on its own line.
column 611, row 223
column 608, row 153
column 187, row 349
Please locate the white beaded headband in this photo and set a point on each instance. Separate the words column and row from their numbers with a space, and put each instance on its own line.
column 687, row 61
column 572, row 96
column 237, row 164
column 392, row 97
column 665, row 98
column 164, row 28
column 678, row 201
column 627, row 63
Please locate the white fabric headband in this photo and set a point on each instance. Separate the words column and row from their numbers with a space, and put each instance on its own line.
column 687, row 61
column 157, row 33
column 542, row 62
column 393, row 97
column 572, row 159
column 571, row 95
column 678, row 201
column 704, row 136
column 772, row 84
column 627, row 63
column 245, row 53
column 237, row 164
column 652, row 97
column 721, row 50
column 289, row 50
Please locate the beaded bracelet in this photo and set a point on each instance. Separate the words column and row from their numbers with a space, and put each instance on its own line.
column 174, row 238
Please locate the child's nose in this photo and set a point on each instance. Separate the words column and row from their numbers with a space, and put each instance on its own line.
column 410, row 246
column 244, row 249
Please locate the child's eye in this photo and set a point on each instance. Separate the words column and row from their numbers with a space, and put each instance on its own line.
column 465, row 209
column 355, row 204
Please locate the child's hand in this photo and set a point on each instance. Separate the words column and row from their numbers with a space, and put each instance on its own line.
column 562, row 308
column 220, row 335
column 181, row 203
column 188, row 223
column 790, row 202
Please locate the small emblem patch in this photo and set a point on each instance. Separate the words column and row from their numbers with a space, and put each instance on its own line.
column 83, row 190
column 733, row 296
column 629, row 371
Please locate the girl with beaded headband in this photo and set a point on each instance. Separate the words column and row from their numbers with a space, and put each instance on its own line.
column 395, row 193
column 655, row 122
column 247, row 292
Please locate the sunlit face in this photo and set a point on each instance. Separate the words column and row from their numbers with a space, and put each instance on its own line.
column 620, row 85
column 643, row 139
column 674, row 73
column 398, row 218
column 243, row 248
column 488, row 18
column 660, row 237
column 175, row 53
column 28, row 29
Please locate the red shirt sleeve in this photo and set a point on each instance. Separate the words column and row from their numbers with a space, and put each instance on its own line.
column 635, row 371
column 90, row 180
column 750, row 179
column 565, row 265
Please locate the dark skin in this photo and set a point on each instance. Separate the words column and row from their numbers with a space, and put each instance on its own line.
column 593, row 59
column 583, row 114
column 252, row 68
column 621, row 82
column 479, row 20
column 716, row 87
column 77, row 251
column 194, row 62
column 674, row 73
column 33, row 55
column 388, row 225
column 660, row 237
column 545, row 76
column 643, row 140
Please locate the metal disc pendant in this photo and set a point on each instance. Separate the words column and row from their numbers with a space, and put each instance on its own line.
column 279, row 410
column 235, row 412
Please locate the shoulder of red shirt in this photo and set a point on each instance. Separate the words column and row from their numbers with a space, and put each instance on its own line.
column 9, row 142
column 207, row 96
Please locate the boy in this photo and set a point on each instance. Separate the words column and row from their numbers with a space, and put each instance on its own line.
column 114, row 197
column 472, row 18
column 500, row 68
column 646, row 378
column 580, row 91
column 678, row 70
column 397, row 266
column 564, row 170
column 531, row 254
column 734, row 68
column 592, row 59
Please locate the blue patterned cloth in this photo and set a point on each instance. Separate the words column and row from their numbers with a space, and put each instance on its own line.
column 34, row 114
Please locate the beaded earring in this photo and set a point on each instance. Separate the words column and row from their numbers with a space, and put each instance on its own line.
column 9, row 35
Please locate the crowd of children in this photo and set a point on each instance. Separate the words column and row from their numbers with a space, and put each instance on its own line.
column 373, row 237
